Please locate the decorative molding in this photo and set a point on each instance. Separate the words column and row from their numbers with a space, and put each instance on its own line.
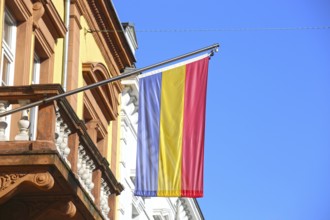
column 101, row 23
column 128, row 124
column 99, row 39
column 69, row 209
column 105, row 95
column 131, row 86
column 113, row 46
column 53, row 20
column 48, row 27
column 62, row 132
column 131, row 34
column 76, row 10
column 104, row 199
column 79, row 5
column 107, row 19
column 23, row 123
column 162, row 212
column 10, row 182
column 44, row 45
column 94, row 112
column 6, row 180
column 124, row 140
column 3, row 121
column 21, row 9
column 38, row 11
column 138, row 203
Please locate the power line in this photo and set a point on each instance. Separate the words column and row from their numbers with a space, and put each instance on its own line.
column 220, row 29
column 236, row 29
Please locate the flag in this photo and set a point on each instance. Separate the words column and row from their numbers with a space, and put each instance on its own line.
column 170, row 149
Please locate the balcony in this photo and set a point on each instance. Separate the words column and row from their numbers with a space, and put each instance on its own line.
column 59, row 175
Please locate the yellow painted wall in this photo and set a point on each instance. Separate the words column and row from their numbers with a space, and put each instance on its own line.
column 80, row 95
column 109, row 143
column 58, row 50
column 117, row 174
column 58, row 61
column 59, row 5
column 89, row 50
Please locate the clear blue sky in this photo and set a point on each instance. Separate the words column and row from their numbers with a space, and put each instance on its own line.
column 267, row 148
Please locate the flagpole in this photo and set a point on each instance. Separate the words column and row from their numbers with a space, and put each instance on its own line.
column 213, row 48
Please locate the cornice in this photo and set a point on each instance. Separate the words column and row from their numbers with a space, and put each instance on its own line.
column 90, row 19
column 108, row 20
column 46, row 43
column 96, row 9
column 53, row 20
column 22, row 9
column 100, row 15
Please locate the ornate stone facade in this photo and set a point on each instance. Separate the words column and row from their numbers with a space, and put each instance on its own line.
column 59, row 160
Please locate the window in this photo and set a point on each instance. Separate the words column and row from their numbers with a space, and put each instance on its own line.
column 8, row 57
column 8, row 49
column 36, row 69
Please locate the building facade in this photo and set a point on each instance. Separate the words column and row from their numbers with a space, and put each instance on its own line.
column 71, row 158
column 59, row 160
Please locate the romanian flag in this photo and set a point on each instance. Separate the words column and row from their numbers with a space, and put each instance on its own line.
column 170, row 151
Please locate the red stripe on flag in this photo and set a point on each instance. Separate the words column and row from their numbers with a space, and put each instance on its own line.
column 193, row 129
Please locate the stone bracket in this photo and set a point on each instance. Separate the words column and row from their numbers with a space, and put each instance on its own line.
column 11, row 182
column 60, row 208
column 38, row 209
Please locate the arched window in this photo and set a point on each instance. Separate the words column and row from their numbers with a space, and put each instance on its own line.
column 105, row 96
column 100, row 104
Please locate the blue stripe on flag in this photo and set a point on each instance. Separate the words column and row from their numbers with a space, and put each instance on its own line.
column 146, row 182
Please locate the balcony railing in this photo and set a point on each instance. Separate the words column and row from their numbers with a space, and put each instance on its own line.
column 58, row 123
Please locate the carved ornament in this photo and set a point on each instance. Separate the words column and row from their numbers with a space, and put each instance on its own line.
column 11, row 182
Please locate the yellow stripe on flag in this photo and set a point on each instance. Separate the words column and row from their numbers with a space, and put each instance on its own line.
column 171, row 123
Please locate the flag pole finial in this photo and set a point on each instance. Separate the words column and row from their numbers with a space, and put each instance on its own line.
column 214, row 50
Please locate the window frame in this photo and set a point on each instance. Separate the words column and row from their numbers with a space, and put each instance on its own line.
column 34, row 111
column 8, row 49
